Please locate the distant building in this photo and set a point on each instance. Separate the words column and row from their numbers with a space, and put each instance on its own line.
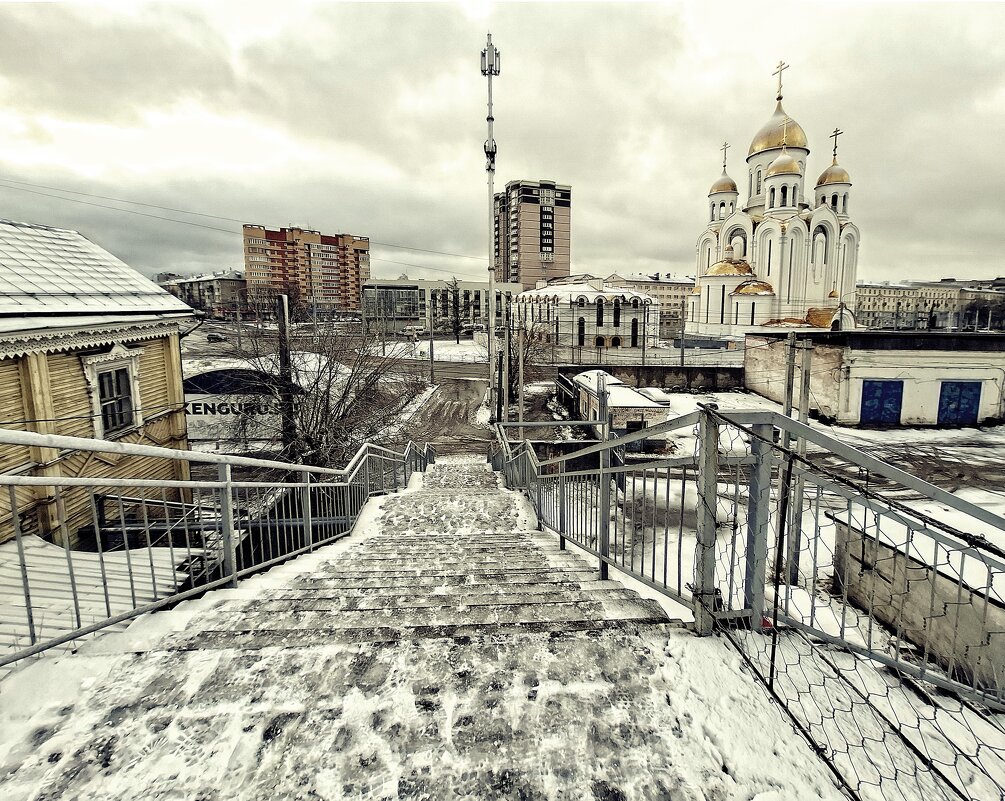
column 390, row 305
column 928, row 305
column 630, row 409
column 221, row 295
column 788, row 256
column 319, row 270
column 585, row 315
column 888, row 378
column 88, row 348
column 669, row 292
column 533, row 222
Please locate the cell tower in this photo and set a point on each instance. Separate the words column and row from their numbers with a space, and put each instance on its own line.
column 490, row 67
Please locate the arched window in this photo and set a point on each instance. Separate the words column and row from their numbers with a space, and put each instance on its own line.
column 758, row 181
column 598, row 342
column 615, row 342
column 771, row 198
column 600, row 311
column 730, row 207
column 581, row 302
column 834, row 201
column 750, row 184
column 769, row 257
column 635, row 303
column 711, row 211
column 844, row 203
column 635, row 332
column 581, row 332
column 722, row 210
column 785, row 196
column 617, row 312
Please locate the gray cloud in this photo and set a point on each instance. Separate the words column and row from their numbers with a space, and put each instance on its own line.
column 381, row 112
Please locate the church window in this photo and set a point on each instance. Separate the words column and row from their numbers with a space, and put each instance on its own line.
column 581, row 302
column 758, row 182
column 722, row 210
column 785, row 196
column 750, row 184
column 771, row 198
column 599, row 342
column 581, row 331
column 731, row 205
column 751, row 312
column 600, row 311
column 844, row 203
column 834, row 201
column 635, row 332
column 617, row 313
column 769, row 257
column 711, row 211
column 736, row 313
column 722, row 305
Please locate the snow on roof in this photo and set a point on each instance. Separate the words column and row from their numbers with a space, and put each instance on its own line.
column 619, row 394
column 226, row 275
column 566, row 292
column 48, row 271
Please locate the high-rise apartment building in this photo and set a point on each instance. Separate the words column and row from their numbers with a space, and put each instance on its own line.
column 532, row 232
column 321, row 270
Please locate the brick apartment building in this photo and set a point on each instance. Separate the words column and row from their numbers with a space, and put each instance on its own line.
column 320, row 270
column 532, row 232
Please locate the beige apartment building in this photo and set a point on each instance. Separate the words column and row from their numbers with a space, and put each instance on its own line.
column 532, row 232
column 320, row 270
column 924, row 305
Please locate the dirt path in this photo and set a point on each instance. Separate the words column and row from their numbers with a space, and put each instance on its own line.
column 446, row 419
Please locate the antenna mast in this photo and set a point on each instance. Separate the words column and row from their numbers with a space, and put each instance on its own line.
column 490, row 67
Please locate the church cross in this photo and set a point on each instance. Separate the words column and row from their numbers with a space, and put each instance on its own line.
column 724, row 148
column 834, row 136
column 782, row 66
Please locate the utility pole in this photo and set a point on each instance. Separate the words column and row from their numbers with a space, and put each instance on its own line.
column 796, row 504
column 645, row 330
column 790, row 378
column 683, row 326
column 519, row 356
column 429, row 326
column 491, row 63
column 286, row 407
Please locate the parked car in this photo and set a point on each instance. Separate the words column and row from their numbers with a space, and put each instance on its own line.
column 216, row 338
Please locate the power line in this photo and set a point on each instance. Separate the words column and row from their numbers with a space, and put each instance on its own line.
column 22, row 184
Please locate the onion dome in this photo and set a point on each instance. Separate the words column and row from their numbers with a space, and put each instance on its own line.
column 696, row 290
column 723, row 184
column 835, row 174
column 784, row 164
column 833, row 294
column 754, row 287
column 730, row 267
column 820, row 318
column 770, row 136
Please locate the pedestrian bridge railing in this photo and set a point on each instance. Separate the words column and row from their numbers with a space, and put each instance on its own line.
column 81, row 553
column 829, row 570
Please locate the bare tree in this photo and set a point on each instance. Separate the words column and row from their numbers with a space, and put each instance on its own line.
column 347, row 389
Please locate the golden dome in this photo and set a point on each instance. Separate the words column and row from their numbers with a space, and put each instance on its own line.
column 727, row 267
column 723, row 184
column 820, row 318
column 696, row 290
column 754, row 287
column 784, row 164
column 835, row 174
column 770, row 136
column 833, row 294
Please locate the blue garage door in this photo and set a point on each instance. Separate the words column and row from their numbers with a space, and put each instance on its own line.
column 959, row 402
column 881, row 402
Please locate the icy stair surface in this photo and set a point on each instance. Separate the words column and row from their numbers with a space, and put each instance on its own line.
column 449, row 652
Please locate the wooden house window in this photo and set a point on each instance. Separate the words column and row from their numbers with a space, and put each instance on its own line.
column 113, row 382
column 115, row 395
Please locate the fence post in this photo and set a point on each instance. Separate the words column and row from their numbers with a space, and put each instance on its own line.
column 561, row 506
column 604, row 523
column 227, row 523
column 366, row 474
column 758, row 517
column 307, row 511
column 704, row 557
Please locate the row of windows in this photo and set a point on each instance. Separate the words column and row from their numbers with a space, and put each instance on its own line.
column 600, row 341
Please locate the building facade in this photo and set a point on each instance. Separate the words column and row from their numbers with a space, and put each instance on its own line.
column 220, row 295
column 885, row 378
column 788, row 255
column 391, row 305
column 322, row 271
column 583, row 315
column 931, row 305
column 96, row 355
column 669, row 292
column 533, row 242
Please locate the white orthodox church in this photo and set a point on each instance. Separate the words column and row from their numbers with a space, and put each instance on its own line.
column 788, row 256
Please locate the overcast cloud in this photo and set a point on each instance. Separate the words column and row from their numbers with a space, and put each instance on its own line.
column 370, row 119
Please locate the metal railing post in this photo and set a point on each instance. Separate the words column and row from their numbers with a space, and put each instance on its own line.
column 227, row 524
column 704, row 558
column 16, row 521
column 561, row 506
column 307, row 511
column 604, row 521
column 758, row 518
column 366, row 474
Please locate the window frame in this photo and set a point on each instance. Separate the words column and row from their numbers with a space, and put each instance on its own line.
column 118, row 359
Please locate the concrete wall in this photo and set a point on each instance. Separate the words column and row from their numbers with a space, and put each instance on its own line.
column 764, row 368
column 963, row 631
column 668, row 376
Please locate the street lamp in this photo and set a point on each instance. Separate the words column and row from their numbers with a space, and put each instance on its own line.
column 491, row 63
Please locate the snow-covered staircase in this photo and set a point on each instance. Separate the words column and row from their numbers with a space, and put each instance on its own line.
column 448, row 651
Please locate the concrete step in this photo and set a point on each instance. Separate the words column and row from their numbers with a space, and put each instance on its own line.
column 405, row 591
column 491, row 579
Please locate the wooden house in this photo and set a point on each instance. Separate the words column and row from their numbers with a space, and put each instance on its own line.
column 88, row 348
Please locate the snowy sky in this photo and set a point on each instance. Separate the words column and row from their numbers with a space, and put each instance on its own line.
column 369, row 118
